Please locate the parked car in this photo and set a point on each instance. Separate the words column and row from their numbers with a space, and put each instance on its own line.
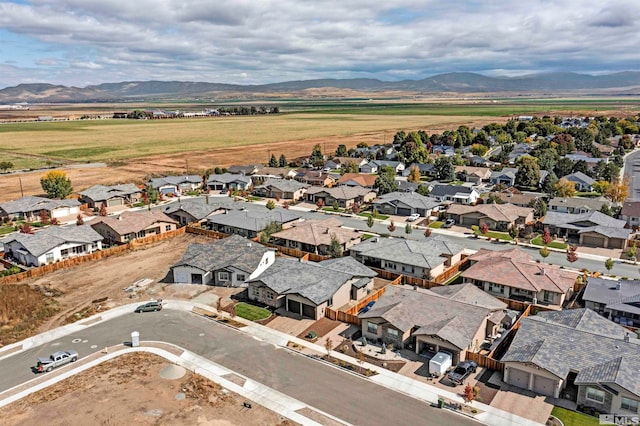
column 367, row 307
column 56, row 360
column 413, row 217
column 149, row 307
column 462, row 371
column 448, row 223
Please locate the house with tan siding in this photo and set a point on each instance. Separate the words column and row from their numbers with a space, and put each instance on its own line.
column 130, row 225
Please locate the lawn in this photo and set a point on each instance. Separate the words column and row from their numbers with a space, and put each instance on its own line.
column 571, row 418
column 493, row 234
column 537, row 241
column 436, row 224
column 331, row 209
column 251, row 312
column 6, row 230
column 378, row 216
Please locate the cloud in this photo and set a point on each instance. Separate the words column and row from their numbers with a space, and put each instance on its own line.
column 262, row 41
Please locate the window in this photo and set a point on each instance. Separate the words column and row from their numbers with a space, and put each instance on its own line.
column 240, row 277
column 393, row 333
column 330, row 302
column 223, row 276
column 49, row 257
column 167, row 228
column 548, row 296
column 496, row 288
column 596, row 395
column 372, row 327
column 64, row 253
column 629, row 404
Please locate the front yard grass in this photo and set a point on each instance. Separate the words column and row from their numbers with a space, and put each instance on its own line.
column 495, row 235
column 251, row 312
column 332, row 209
column 537, row 241
column 572, row 418
column 378, row 216
column 436, row 224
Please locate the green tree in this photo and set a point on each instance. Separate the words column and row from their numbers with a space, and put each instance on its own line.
column 316, row 158
column 273, row 162
column 350, row 167
column 479, row 149
column 528, row 174
column 335, row 248
column 544, row 252
column 370, row 222
column 282, row 162
column 152, row 194
column 270, row 229
column 336, row 206
column 423, row 189
column 341, row 150
column 271, row 205
column 386, row 180
column 6, row 165
column 609, row 264
column 444, row 169
column 56, row 184
column 513, row 231
column 539, row 207
column 408, row 229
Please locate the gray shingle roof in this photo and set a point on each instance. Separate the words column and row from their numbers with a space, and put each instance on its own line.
column 441, row 190
column 198, row 207
column 233, row 251
column 48, row 238
column 102, row 192
column 579, row 202
column 580, row 177
column 175, row 180
column 592, row 221
column 253, row 220
column 411, row 199
column 341, row 192
column 578, row 340
column 626, row 298
column 284, row 185
column 426, row 253
column 228, row 178
column 469, row 293
column 30, row 204
column 349, row 265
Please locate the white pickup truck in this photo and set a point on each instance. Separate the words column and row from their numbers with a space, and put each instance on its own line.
column 56, row 360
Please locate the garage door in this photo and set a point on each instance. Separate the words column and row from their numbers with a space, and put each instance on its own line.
column 593, row 241
column 196, row 278
column 544, row 385
column 115, row 202
column 404, row 211
column 308, row 311
column 294, row 306
column 519, row 378
column 616, row 243
column 470, row 221
column 60, row 212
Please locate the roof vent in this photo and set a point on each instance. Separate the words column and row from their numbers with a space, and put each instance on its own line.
column 618, row 285
column 248, row 244
column 626, row 337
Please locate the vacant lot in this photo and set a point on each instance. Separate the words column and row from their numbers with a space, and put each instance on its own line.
column 130, row 390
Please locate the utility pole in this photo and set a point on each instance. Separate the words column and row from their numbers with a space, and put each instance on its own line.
column 21, row 190
column 186, row 161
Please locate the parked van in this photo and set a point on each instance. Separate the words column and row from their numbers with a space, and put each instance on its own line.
column 440, row 363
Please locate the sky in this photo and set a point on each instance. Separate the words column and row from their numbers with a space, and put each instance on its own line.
column 85, row 42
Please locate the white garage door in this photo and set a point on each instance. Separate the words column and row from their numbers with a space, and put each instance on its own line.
column 519, row 378
column 544, row 385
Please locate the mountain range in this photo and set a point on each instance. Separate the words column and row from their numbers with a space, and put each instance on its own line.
column 622, row 83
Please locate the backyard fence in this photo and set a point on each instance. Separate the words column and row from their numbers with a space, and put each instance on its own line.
column 484, row 361
column 206, row 232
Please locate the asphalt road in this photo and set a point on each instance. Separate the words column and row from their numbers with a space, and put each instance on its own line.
column 632, row 171
column 346, row 396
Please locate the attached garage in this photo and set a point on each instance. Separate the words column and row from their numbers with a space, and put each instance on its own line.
column 617, row 243
column 404, row 211
column 518, row 378
column 470, row 221
column 593, row 240
column 544, row 386
column 117, row 201
column 300, row 308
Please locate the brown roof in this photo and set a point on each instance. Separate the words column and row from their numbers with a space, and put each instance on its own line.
column 515, row 198
column 128, row 221
column 318, row 232
column 362, row 178
column 631, row 208
column 497, row 212
column 482, row 172
column 517, row 269
column 341, row 192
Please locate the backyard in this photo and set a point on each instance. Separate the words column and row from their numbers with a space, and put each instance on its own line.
column 572, row 418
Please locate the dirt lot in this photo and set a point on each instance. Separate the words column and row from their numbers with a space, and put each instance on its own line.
column 130, row 390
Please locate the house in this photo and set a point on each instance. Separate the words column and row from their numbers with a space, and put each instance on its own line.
column 130, row 225
column 245, row 169
column 282, row 189
column 230, row 182
column 228, row 262
column 446, row 150
column 455, row 193
column 315, row 236
column 513, row 274
column 52, row 244
column 249, row 223
column 388, row 152
column 426, row 259
column 499, row 217
column 116, row 195
column 455, row 318
column 196, row 210
column 345, row 196
column 617, row 300
column 506, row 176
column 406, row 204
column 590, row 229
column 514, row 196
column 519, row 150
column 473, row 174
column 406, row 186
column 583, row 182
column 316, row 178
column 374, row 166
column 357, row 179
column 576, row 205
column 29, row 208
column 578, row 355
column 307, row 288
column 587, row 158
column 176, row 185
column 631, row 213
column 262, row 174
column 341, row 162
column 427, row 169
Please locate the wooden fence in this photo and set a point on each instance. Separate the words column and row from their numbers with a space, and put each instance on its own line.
column 288, row 251
column 453, row 270
column 206, row 232
column 485, row 361
column 351, row 315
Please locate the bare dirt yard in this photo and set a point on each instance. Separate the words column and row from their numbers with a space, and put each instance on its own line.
column 130, row 389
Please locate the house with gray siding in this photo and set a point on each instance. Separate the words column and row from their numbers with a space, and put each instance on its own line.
column 176, row 185
column 249, row 223
column 618, row 300
column 29, row 207
column 405, row 204
column 590, row 229
column 116, row 195
column 196, row 210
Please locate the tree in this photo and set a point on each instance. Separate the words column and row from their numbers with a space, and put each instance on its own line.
column 572, row 254
column 320, row 203
column 271, row 205
column 370, row 222
column 328, row 345
column 282, row 162
column 549, row 185
column 414, row 173
column 484, row 228
column 632, row 252
column 444, row 169
column 544, row 252
column 316, row 158
column 513, row 231
column 79, row 220
column 539, row 207
column 56, row 184
column 391, row 227
column 152, row 193
column 386, row 180
column 273, row 162
column 563, row 167
column 618, row 191
column 341, row 150
column 335, row 248
column 546, row 236
column 565, row 188
column 408, row 229
column 271, row 228
column 6, row 165
column 609, row 264
column 528, row 174
column 336, row 206
column 600, row 186
column 44, row 217
column 350, row 167
column 423, row 189
column 103, row 210
column 26, row 229
column 479, row 149
column 468, row 394
column 361, row 358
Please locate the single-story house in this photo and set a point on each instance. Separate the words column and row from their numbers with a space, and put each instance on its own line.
column 497, row 216
column 28, row 208
column 425, row 259
column 196, row 210
column 52, row 244
column 389, row 152
column 345, row 196
column 456, row 193
column 473, row 174
column 579, row 355
column 116, row 195
column 513, row 274
column 283, row 189
column 244, row 169
column 263, row 174
column 576, row 205
column 176, row 185
column 631, row 213
column 228, row 181
column 446, row 150
column 316, row 178
column 515, row 197
column 249, row 223
column 227, row 262
column 587, row 158
column 341, row 162
column 357, row 179
column 406, row 204
column 427, row 169
column 314, row 236
column 130, row 225
column 456, row 318
column 374, row 166
column 506, row 176
column 406, row 186
column 583, row 182
column 617, row 300
column 590, row 229
column 308, row 288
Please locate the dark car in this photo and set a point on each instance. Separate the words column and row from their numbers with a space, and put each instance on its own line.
column 448, row 223
column 149, row 307
column 462, row 371
column 366, row 308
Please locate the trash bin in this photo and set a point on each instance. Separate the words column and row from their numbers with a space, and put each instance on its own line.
column 135, row 339
column 440, row 403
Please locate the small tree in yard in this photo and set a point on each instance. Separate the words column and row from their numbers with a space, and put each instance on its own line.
column 271, row 205
column 370, row 222
column 328, row 345
column 56, row 184
column 26, row 229
column 320, row 203
column 79, row 220
column 391, row 227
column 361, row 358
column 103, row 210
column 484, row 228
column 609, row 264
column 335, row 248
column 408, row 229
column 546, row 236
column 572, row 253
column 513, row 231
column 336, row 206
column 44, row 217
column 632, row 252
column 374, row 213
column 544, row 252
column 468, row 394
column 427, row 232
